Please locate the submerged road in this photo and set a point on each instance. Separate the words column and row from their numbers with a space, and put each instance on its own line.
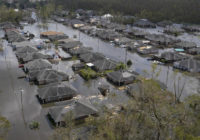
column 141, row 65
column 18, row 102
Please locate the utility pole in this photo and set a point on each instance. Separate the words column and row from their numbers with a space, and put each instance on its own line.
column 21, row 92
column 56, row 27
column 79, row 35
column 125, row 56
column 98, row 45
column 22, row 109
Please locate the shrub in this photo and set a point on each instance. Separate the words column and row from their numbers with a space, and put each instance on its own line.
column 120, row 66
column 129, row 63
column 88, row 73
column 34, row 125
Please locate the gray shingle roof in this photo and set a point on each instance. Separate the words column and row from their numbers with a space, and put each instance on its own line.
column 14, row 36
column 121, row 78
column 160, row 39
column 190, row 65
column 21, row 51
column 186, row 45
column 194, row 51
column 38, row 65
column 171, row 56
column 80, row 108
column 68, row 44
column 104, row 64
column 79, row 50
column 91, row 57
column 58, row 91
column 35, row 55
column 173, row 29
column 49, row 76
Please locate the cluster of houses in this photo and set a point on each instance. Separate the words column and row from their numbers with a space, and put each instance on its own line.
column 37, row 62
column 135, row 38
column 95, row 61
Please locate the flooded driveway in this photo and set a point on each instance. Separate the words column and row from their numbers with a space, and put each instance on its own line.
column 140, row 64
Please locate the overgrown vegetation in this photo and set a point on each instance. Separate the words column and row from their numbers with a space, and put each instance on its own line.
column 34, row 125
column 87, row 73
column 129, row 63
column 155, row 10
column 4, row 127
column 186, row 11
column 152, row 114
column 120, row 66
column 45, row 11
column 9, row 14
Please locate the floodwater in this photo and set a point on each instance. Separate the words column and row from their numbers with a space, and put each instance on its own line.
column 19, row 104
column 141, row 65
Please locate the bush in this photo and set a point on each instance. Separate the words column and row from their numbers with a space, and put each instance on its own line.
column 4, row 127
column 88, row 73
column 34, row 125
column 129, row 63
column 120, row 66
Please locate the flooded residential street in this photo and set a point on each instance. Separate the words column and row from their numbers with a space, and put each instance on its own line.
column 21, row 107
column 140, row 64
column 18, row 97
column 18, row 102
column 99, row 70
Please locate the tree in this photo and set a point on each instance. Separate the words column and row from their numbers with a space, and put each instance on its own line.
column 129, row 63
column 4, row 127
column 8, row 14
column 65, row 132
